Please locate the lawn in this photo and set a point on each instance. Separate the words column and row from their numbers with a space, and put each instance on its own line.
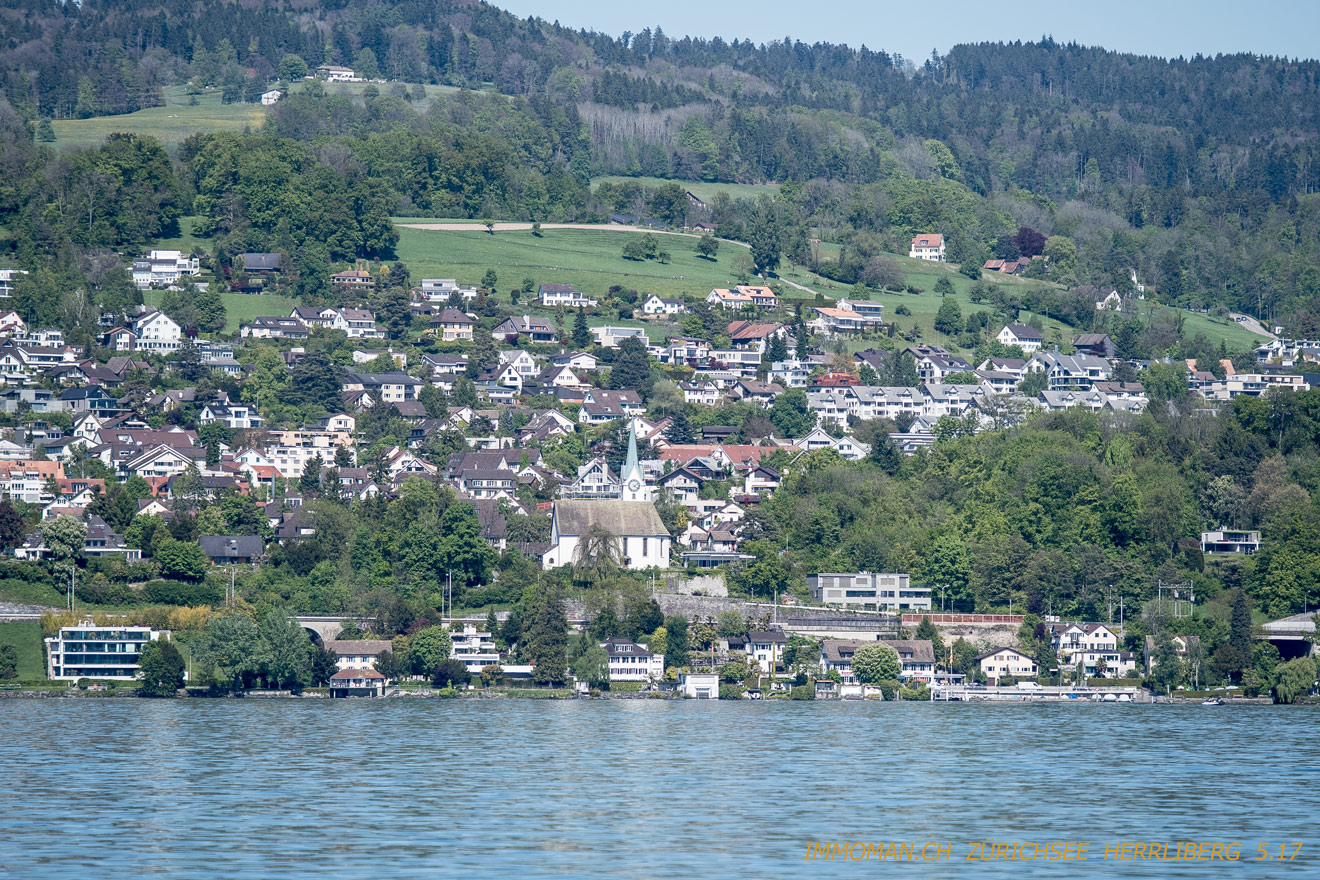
column 26, row 636
column 589, row 259
column 185, row 241
column 239, row 307
column 702, row 189
column 169, row 124
column 25, row 592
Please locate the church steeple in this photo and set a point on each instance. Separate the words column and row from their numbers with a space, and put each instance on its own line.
column 631, row 477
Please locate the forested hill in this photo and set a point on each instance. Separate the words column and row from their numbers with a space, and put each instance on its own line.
column 1201, row 175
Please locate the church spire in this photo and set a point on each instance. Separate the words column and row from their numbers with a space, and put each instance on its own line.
column 631, row 477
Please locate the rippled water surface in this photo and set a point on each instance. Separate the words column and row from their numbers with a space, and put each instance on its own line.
column 251, row 789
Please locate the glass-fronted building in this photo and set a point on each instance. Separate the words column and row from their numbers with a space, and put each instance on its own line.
column 89, row 651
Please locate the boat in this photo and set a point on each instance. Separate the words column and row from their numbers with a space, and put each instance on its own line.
column 1212, row 701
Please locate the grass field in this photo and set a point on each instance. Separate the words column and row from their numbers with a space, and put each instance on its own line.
column 239, row 307
column 169, row 124
column 590, row 259
column 702, row 189
column 26, row 636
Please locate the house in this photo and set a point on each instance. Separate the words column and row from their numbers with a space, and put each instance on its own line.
column 1095, row 344
column 658, row 305
column 1028, row 339
column 600, row 406
column 361, row 324
column 1004, row 662
column 1230, row 541
column 394, row 387
column 85, row 650
column 761, row 480
column 643, row 540
column 752, row 336
column 454, row 325
column 1183, row 645
column 232, row 549
column 838, row 320
column 610, row 337
column 476, row 649
column 1007, row 267
column 101, row 541
column 535, row 329
column 272, row 327
column 1111, row 302
column 594, row 480
column 163, row 267
column 869, row 591
column 354, row 279
column 916, row 657
column 7, row 281
column 1077, row 372
column 156, row 331
column 575, row 360
column 11, row 323
column 727, row 298
column 766, row 649
column 357, row 683
column 699, row 685
column 335, row 73
column 551, row 295
column 700, row 393
column 763, row 393
column 354, row 654
column 633, row 662
column 523, row 363
column 928, row 246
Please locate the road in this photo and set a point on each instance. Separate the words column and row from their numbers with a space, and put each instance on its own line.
column 1252, row 324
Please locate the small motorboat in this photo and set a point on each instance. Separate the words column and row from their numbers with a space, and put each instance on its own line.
column 1213, row 701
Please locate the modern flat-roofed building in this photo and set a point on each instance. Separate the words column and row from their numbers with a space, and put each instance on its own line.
column 89, row 651
column 864, row 589
column 1230, row 541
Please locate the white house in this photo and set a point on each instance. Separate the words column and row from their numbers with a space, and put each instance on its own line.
column 268, row 98
column 1233, row 541
column 699, row 685
column 658, row 305
column 868, row 590
column 1003, row 662
column 358, row 653
column 552, row 295
column 163, row 267
column 1028, row 339
column 156, row 331
column 632, row 662
column 766, row 649
column 642, row 540
column 928, row 246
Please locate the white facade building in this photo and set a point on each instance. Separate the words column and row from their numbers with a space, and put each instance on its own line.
column 89, row 651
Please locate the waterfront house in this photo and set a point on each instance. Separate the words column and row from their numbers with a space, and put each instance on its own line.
column 699, row 685
column 633, row 662
column 88, row 651
column 1004, row 662
column 357, row 654
column 766, row 649
column 357, row 683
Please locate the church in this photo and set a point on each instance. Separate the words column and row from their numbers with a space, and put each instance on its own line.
column 644, row 542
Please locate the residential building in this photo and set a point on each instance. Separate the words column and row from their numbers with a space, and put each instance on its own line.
column 867, row 590
column 156, row 331
column 633, row 662
column 1078, row 372
column 354, row 279
column 358, row 654
column 476, row 649
column 916, row 657
column 551, row 295
column 1230, row 541
column 163, row 267
column 927, row 246
column 88, row 651
column 658, row 305
column 271, row 97
column 7, row 277
column 274, row 327
column 232, row 549
column 1029, row 339
column 766, row 649
column 610, row 337
column 643, row 540
column 535, row 329
column 1184, row 646
column 1004, row 662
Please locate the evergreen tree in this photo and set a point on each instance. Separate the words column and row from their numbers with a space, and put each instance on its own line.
column 776, row 351
column 632, row 367
column 581, row 332
column 545, row 635
column 316, row 381
column 160, row 667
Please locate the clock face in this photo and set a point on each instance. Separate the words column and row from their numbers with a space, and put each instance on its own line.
column 634, row 485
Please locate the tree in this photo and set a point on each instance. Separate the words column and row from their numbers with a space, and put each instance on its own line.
column 315, row 381
column 632, row 367
column 765, row 236
column 544, row 635
column 160, row 669
column 11, row 526
column 181, row 560
column 581, row 332
column 284, row 650
column 790, row 415
column 1029, row 242
column 1168, row 669
column 429, row 648
column 8, row 662
column 366, row 65
column 708, row 246
column 928, row 631
column 65, row 538
column 884, row 273
column 292, row 67
column 949, row 320
column 230, row 647
column 730, row 623
column 875, row 663
column 776, row 351
column 593, row 667
column 325, row 663
column 1294, row 679
column 450, row 673
column 597, row 556
column 392, row 307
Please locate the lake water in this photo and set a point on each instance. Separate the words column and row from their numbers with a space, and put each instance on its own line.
column 253, row 790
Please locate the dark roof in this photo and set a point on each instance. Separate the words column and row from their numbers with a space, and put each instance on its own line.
column 772, row 635
column 359, row 646
column 260, row 262
column 231, row 546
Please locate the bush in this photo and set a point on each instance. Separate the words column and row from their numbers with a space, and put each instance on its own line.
column 921, row 692
column 902, row 310
column 731, row 692
column 888, row 687
column 163, row 592
column 802, row 692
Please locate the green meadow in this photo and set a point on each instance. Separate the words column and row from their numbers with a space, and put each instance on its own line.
column 239, row 307
column 25, row 635
column 170, row 124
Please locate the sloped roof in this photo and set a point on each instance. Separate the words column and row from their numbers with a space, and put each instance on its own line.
column 620, row 517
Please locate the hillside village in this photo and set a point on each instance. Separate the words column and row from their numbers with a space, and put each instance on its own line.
column 572, row 446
